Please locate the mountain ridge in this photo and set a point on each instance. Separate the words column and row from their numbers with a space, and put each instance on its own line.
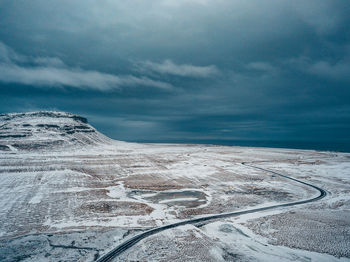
column 45, row 130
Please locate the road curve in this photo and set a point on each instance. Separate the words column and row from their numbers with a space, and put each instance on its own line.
column 134, row 240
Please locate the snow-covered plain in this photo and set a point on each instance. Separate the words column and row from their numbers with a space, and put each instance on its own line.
column 63, row 181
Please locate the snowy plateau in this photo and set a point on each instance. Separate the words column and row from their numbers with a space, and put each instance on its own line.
column 69, row 193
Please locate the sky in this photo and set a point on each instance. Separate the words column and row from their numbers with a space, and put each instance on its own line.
column 201, row 71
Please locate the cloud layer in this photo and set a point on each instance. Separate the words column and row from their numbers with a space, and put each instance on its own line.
column 185, row 70
column 52, row 72
column 198, row 70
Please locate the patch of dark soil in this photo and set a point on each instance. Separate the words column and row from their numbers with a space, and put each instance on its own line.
column 264, row 192
column 14, row 136
column 47, row 126
column 117, row 208
column 4, row 148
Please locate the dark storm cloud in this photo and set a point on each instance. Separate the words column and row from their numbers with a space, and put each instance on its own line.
column 52, row 72
column 181, row 70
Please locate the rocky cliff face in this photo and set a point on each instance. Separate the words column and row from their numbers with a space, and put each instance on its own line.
column 46, row 130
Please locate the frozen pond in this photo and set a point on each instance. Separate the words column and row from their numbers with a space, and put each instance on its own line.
column 185, row 198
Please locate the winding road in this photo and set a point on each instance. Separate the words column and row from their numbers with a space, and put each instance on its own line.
column 134, row 240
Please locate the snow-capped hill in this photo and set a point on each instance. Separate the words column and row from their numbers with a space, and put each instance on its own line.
column 46, row 130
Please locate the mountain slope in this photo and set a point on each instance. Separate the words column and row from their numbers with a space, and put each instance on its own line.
column 46, row 130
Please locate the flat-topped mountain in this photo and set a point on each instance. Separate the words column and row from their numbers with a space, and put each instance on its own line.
column 46, row 130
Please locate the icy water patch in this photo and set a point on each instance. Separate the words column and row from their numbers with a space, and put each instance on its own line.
column 185, row 198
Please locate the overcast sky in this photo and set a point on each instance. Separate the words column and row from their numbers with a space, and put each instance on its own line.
column 182, row 70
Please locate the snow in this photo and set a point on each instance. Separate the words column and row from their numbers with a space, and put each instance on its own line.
column 216, row 254
column 36, row 199
column 12, row 148
column 94, row 182
column 257, row 248
column 117, row 191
